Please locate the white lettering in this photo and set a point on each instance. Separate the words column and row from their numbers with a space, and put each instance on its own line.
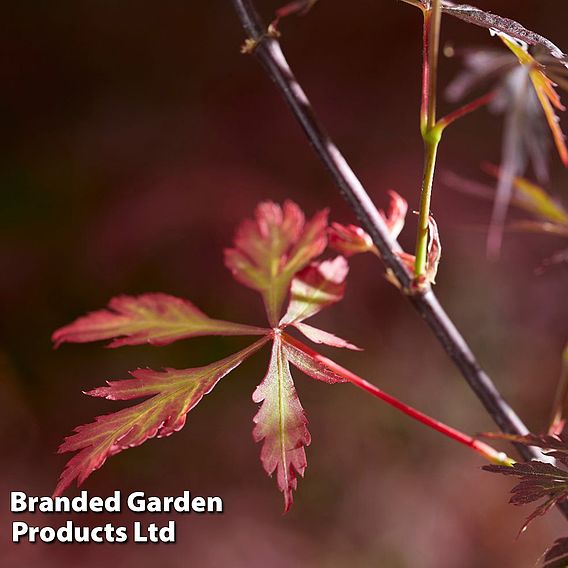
column 136, row 502
column 138, row 536
column 18, row 529
column 214, row 505
column 198, row 504
column 18, row 502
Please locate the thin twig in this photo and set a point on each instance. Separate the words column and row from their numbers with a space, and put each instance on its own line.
column 268, row 52
column 487, row 451
column 466, row 109
column 432, row 45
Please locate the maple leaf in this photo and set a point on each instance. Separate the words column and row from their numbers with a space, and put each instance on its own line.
column 317, row 286
column 557, row 555
column 272, row 255
column 173, row 393
column 524, row 139
column 314, row 288
column 495, row 24
column 158, row 319
column 351, row 239
column 396, row 215
column 270, row 249
column 499, row 24
column 525, row 95
column 538, row 479
column 324, row 337
column 544, row 88
column 281, row 424
column 309, row 362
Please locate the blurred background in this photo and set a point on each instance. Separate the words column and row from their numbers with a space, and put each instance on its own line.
column 136, row 137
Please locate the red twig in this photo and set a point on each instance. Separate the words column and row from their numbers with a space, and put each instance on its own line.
column 482, row 448
column 466, row 109
column 425, row 72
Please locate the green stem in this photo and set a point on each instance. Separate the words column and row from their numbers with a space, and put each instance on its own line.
column 431, row 128
column 431, row 143
column 431, row 132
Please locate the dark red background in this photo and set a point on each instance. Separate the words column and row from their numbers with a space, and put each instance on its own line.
column 136, row 137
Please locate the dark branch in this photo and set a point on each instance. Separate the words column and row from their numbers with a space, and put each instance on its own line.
column 267, row 50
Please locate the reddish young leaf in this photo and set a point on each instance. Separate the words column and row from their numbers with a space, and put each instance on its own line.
column 308, row 364
column 396, row 216
column 158, row 319
column 173, row 394
column 318, row 286
column 281, row 424
column 270, row 249
column 350, row 239
column 324, row 337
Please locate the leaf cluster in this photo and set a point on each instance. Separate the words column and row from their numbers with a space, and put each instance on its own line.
column 278, row 254
column 540, row 481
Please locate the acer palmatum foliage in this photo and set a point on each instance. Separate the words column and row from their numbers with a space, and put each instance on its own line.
column 277, row 254
column 538, row 480
column 274, row 254
column 272, row 248
column 524, row 92
column 422, row 266
column 157, row 319
column 350, row 240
